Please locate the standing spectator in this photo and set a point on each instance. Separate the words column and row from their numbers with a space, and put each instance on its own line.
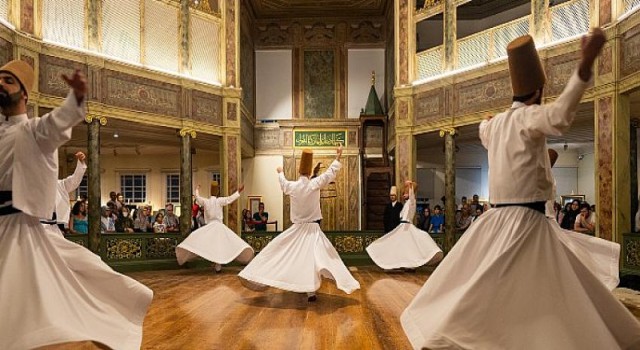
column 475, row 203
column 79, row 223
column 477, row 214
column 437, row 220
column 463, row 202
column 425, row 219
column 200, row 218
column 107, row 225
column 113, row 202
column 261, row 217
column 119, row 200
column 585, row 221
column 171, row 220
column 63, row 188
column 195, row 208
column 247, row 221
column 124, row 223
column 158, row 225
column 142, row 223
column 391, row 217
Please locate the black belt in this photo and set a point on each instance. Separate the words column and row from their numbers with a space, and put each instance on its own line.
column 8, row 210
column 537, row 206
column 49, row 222
column 5, row 196
column 404, row 222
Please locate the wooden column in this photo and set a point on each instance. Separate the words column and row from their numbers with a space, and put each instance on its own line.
column 539, row 26
column 93, row 179
column 633, row 164
column 185, row 180
column 185, row 57
column 450, row 186
column 450, row 36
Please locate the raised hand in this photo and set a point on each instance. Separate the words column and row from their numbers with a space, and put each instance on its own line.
column 81, row 156
column 279, row 169
column 240, row 188
column 339, row 151
column 591, row 46
column 77, row 82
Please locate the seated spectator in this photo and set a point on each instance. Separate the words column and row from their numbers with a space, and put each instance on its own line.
column 463, row 202
column 477, row 214
column 437, row 220
column 78, row 224
column 465, row 219
column 158, row 225
column 425, row 219
column 171, row 220
column 142, row 222
column 107, row 224
column 247, row 221
column 261, row 217
column 475, row 203
column 124, row 223
column 569, row 218
column 585, row 221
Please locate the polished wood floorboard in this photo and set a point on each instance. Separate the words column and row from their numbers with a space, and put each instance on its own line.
column 199, row 309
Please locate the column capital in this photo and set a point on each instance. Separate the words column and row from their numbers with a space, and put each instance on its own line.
column 188, row 131
column 90, row 118
column 448, row 130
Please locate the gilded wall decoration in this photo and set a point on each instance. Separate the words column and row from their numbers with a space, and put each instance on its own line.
column 267, row 138
column 348, row 244
column 26, row 16
column 230, row 30
column 559, row 69
column 287, row 137
column 247, row 69
column 403, row 45
column 29, row 60
column 352, row 138
column 631, row 253
column 136, row 93
column 273, row 34
column 123, row 249
column 206, row 107
column 6, row 51
column 319, row 84
column 605, row 166
column 630, row 52
column 319, row 33
column 605, row 12
column 232, row 111
column 403, row 110
column 161, row 247
column 429, row 106
column 50, row 77
column 366, row 32
column 605, row 61
column 476, row 95
column 257, row 242
column 373, row 137
column 403, row 156
column 353, row 194
column 94, row 80
column 206, row 6
column 247, row 131
column 232, row 172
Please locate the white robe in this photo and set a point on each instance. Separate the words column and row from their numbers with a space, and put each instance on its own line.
column 298, row 258
column 64, row 186
column 406, row 246
column 510, row 282
column 53, row 290
column 214, row 241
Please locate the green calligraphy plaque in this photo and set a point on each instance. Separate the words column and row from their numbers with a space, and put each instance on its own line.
column 319, row 139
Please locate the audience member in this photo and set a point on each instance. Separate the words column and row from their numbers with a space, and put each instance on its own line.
column 113, row 202
column 391, row 215
column 142, row 222
column 171, row 220
column 569, row 218
column 247, row 221
column 195, row 208
column 124, row 223
column 261, row 217
column 107, row 225
column 425, row 219
column 465, row 219
column 477, row 214
column 78, row 224
column 437, row 220
column 158, row 225
column 585, row 222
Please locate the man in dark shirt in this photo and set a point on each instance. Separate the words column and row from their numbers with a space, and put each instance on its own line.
column 261, row 217
column 391, row 217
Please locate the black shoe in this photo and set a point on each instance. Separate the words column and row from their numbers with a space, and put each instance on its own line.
column 312, row 298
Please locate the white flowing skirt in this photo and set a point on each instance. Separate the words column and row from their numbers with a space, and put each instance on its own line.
column 511, row 283
column 405, row 246
column 55, row 291
column 216, row 243
column 297, row 260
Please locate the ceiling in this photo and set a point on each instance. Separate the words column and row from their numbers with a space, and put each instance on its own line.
column 277, row 9
column 139, row 139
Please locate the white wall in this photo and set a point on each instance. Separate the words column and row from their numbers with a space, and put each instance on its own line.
column 586, row 177
column 361, row 63
column 274, row 84
column 261, row 179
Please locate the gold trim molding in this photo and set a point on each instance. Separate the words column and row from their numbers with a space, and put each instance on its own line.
column 447, row 130
column 89, row 119
column 190, row 131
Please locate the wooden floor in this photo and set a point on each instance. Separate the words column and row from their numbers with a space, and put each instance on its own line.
column 199, row 309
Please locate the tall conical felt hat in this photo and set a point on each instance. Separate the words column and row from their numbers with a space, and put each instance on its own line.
column 393, row 191
column 553, row 156
column 525, row 67
column 306, row 162
column 22, row 71
column 214, row 188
